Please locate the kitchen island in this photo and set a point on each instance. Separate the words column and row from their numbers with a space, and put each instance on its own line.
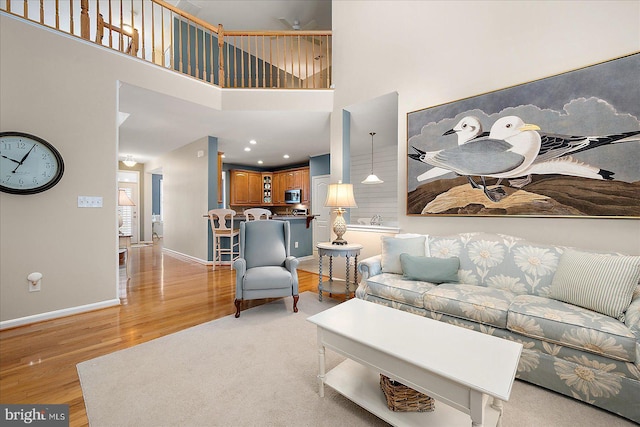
column 301, row 232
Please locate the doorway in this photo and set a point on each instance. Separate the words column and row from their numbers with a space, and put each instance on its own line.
column 321, row 229
column 130, row 218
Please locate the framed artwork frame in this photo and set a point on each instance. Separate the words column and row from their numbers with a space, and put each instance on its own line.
column 562, row 146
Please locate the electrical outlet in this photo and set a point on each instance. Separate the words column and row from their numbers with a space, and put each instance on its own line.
column 295, row 245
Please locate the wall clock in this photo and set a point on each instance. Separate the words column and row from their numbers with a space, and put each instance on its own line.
column 28, row 164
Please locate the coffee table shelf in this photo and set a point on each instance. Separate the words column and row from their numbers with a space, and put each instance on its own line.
column 361, row 385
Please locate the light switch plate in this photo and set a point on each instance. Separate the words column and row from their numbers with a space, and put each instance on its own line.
column 89, row 202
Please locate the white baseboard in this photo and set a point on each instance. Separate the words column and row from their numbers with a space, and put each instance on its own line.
column 185, row 256
column 21, row 321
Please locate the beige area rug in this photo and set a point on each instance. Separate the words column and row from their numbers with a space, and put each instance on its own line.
column 260, row 370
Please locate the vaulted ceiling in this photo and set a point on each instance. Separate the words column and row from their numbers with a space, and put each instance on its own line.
column 156, row 124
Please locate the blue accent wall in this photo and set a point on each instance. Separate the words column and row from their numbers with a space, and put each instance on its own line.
column 320, row 165
column 155, row 194
column 212, row 190
column 303, row 235
column 197, row 46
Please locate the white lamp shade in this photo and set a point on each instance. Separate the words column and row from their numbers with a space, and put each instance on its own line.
column 340, row 196
column 372, row 179
column 123, row 199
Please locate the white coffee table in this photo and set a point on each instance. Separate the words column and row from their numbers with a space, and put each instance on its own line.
column 459, row 368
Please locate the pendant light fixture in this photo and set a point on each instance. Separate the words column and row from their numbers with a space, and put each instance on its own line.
column 129, row 162
column 372, row 178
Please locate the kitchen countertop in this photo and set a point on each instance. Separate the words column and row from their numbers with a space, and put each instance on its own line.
column 241, row 217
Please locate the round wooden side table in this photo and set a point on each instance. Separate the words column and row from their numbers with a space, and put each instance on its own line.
column 330, row 250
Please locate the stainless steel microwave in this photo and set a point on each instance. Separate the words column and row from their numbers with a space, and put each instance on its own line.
column 292, row 196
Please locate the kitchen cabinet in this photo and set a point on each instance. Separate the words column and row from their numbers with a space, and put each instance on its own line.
column 267, row 188
column 305, row 198
column 246, row 187
column 278, row 190
column 292, row 179
column 250, row 188
column 255, row 188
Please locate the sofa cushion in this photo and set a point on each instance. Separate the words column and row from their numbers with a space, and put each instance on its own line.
column 476, row 303
column 392, row 247
column 429, row 269
column 602, row 283
column 394, row 287
column 568, row 325
column 500, row 261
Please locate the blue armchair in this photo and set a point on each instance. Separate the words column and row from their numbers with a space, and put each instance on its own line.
column 265, row 268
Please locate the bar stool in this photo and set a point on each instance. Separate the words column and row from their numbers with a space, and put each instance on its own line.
column 255, row 214
column 222, row 231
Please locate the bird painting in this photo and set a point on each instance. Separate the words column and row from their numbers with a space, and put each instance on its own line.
column 508, row 150
column 553, row 156
column 476, row 155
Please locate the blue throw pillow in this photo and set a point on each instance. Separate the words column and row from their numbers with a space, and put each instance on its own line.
column 427, row 269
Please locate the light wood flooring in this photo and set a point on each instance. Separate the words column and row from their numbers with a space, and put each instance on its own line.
column 166, row 294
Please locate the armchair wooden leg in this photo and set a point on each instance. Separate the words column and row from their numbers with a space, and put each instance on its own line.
column 295, row 303
column 237, row 302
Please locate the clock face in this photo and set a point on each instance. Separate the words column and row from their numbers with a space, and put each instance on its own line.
column 28, row 164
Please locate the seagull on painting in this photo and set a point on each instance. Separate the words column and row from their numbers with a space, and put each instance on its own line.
column 510, row 149
column 553, row 146
column 468, row 128
column 565, row 165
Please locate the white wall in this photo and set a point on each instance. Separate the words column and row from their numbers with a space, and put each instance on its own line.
column 375, row 199
column 433, row 52
column 64, row 89
column 185, row 185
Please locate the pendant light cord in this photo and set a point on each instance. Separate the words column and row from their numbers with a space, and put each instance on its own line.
column 372, row 133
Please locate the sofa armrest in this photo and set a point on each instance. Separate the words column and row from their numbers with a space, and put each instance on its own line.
column 291, row 264
column 240, row 266
column 369, row 267
column 632, row 315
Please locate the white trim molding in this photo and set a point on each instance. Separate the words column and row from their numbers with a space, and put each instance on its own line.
column 185, row 256
column 21, row 321
column 373, row 228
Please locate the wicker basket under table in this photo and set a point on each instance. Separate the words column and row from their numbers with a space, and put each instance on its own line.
column 401, row 398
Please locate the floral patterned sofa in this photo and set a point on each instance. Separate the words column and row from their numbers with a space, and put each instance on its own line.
column 508, row 287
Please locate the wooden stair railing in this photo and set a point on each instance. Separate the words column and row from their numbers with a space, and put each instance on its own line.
column 134, row 37
column 169, row 37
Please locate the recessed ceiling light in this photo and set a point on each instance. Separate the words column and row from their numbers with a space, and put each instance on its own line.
column 286, row 156
column 247, row 149
column 260, row 162
column 253, row 142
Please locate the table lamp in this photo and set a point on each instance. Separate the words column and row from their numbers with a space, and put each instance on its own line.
column 340, row 196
